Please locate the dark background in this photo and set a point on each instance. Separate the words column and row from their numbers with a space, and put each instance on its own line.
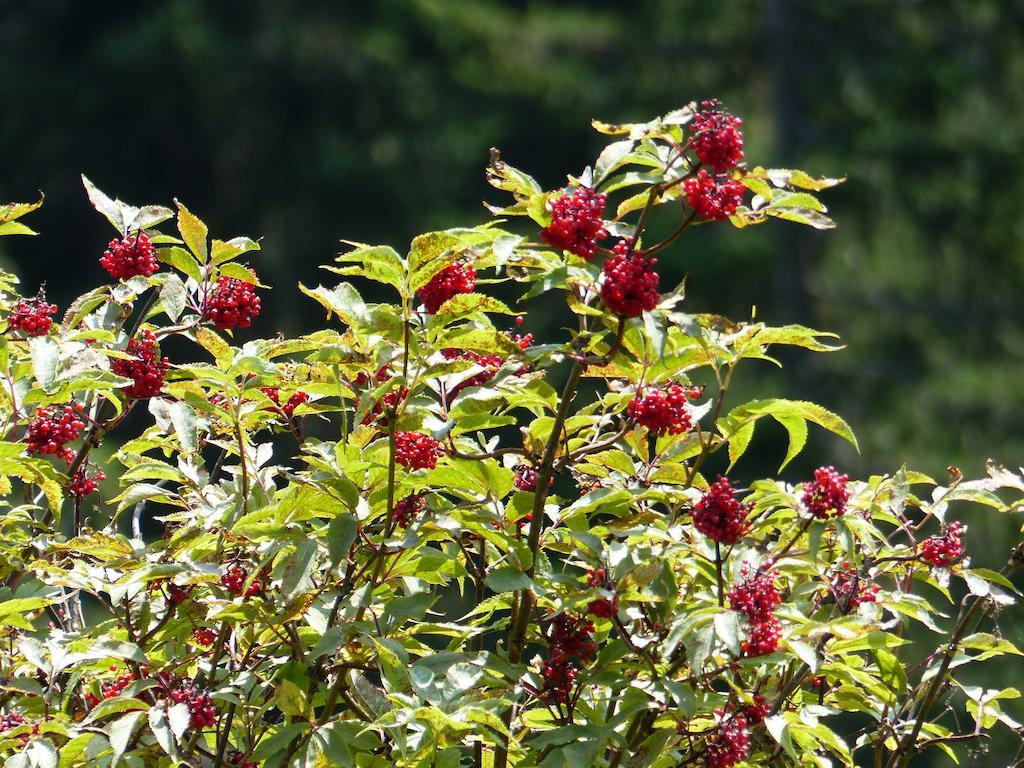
column 309, row 122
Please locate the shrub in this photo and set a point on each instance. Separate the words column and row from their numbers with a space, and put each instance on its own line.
column 418, row 538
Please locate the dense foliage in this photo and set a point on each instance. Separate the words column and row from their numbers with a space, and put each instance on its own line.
column 422, row 536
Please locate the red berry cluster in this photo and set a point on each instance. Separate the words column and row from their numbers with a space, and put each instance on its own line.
column 235, row 758
column 717, row 139
column 452, row 280
column 204, row 636
column 630, row 283
column 603, row 607
column 33, row 317
column 490, row 364
column 11, row 720
column 946, row 549
column 719, row 515
column 114, row 688
column 146, row 368
column 758, row 711
column 415, row 450
column 850, row 590
column 571, row 643
column 756, row 597
column 576, row 222
column 82, row 483
column 234, row 580
column 202, row 710
column 387, row 403
column 293, row 402
column 232, row 303
column 408, row 509
column 526, row 477
column 714, row 199
column 54, row 427
column 827, row 496
column 663, row 410
column 177, row 593
column 729, row 743
column 130, row 257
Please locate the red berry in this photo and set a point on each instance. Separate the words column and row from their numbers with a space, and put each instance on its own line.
column 387, row 403
column 202, row 710
column 729, row 743
column 717, row 140
column 758, row 711
column 113, row 688
column 10, row 720
column 756, row 595
column 232, row 303
column 414, row 450
column 452, row 280
column 827, row 495
column 490, row 364
column 850, row 590
column 130, row 257
column 204, row 636
column 33, row 317
column 54, row 427
column 713, row 199
column 235, row 758
column 526, row 477
column 662, row 410
column 719, row 515
column 576, row 222
column 83, row 484
column 146, row 368
column 235, row 578
column 177, row 593
column 408, row 509
column 604, row 607
column 572, row 637
column 945, row 550
column 293, row 402
column 630, row 284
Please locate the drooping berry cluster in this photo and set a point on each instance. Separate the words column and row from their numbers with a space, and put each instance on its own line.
column 293, row 402
column 827, row 495
column 945, row 550
column 756, row 596
column 576, row 223
column 129, row 257
column 526, row 477
column 202, row 710
column 415, row 450
column 408, row 509
column 662, row 410
column 571, row 645
column 717, row 139
column 602, row 607
column 489, row 363
column 728, row 744
column 33, row 317
column 234, row 581
column 82, row 484
column 719, row 515
column 452, row 280
column 54, row 427
column 850, row 590
column 630, row 284
column 146, row 368
column 232, row 303
column 714, row 199
column 204, row 636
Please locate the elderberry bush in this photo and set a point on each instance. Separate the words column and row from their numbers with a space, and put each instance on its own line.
column 420, row 536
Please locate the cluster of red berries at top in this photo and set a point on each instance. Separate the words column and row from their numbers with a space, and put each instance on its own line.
column 232, row 303
column 603, row 607
column 850, row 589
column 576, row 222
column 571, row 644
column 131, row 256
column 713, row 199
column 204, row 636
column 630, row 285
column 408, row 509
column 756, row 597
column 145, row 368
column 452, row 280
column 717, row 140
column 33, row 317
column 663, row 410
column 827, row 495
column 293, row 402
column 234, row 581
column 202, row 711
column 82, row 483
column 945, row 550
column 719, row 515
column 415, row 450
column 53, row 428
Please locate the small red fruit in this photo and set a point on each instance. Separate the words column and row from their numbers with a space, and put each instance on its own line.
column 130, row 257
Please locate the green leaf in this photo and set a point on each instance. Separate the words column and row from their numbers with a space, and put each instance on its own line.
column 181, row 260
column 467, row 303
column 797, row 429
column 45, row 353
column 343, row 300
column 173, row 297
column 232, row 249
column 291, row 700
column 738, row 442
column 341, row 532
column 193, row 232
column 508, row 579
column 812, row 412
column 380, row 263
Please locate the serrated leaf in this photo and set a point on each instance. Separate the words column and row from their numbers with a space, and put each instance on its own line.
column 193, row 232
column 173, row 297
column 797, row 429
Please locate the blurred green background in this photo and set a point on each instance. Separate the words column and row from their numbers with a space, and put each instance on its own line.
column 305, row 123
